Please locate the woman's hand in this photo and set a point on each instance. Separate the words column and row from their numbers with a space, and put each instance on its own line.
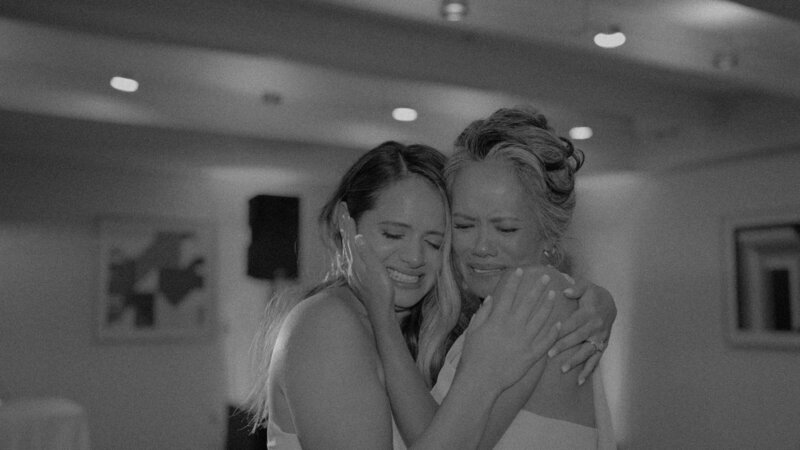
column 506, row 337
column 365, row 273
column 588, row 328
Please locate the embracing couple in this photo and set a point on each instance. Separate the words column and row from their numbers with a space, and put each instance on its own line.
column 443, row 322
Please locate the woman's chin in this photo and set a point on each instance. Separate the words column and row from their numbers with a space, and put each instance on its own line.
column 406, row 300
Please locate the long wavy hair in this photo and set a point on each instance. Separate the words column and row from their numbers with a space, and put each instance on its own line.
column 427, row 326
column 544, row 163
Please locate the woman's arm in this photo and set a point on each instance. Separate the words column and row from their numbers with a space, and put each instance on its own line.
column 336, row 398
column 505, row 338
column 498, row 352
column 587, row 330
column 545, row 390
column 413, row 407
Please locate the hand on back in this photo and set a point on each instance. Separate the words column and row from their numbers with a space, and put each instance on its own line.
column 587, row 329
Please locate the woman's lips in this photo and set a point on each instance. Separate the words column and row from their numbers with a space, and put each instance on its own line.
column 486, row 269
column 403, row 278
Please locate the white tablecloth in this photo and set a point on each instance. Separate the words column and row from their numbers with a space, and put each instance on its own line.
column 43, row 424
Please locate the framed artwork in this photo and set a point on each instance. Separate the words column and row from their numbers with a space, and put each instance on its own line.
column 156, row 279
column 762, row 273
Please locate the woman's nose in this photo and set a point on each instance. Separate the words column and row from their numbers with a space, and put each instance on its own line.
column 484, row 245
column 413, row 255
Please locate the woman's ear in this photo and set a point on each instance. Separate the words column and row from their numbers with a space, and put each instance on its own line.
column 342, row 213
column 339, row 221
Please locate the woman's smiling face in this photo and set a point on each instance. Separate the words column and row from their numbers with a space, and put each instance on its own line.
column 406, row 230
column 494, row 225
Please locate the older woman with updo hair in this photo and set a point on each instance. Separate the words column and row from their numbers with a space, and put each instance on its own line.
column 511, row 184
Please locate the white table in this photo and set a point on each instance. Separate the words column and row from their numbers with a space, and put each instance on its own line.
column 43, row 424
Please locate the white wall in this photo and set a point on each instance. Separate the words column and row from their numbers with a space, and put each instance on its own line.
column 244, row 298
column 138, row 396
column 655, row 241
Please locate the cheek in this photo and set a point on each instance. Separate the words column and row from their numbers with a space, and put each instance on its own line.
column 460, row 244
column 380, row 245
column 521, row 250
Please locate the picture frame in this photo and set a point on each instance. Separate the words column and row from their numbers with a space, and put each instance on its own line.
column 762, row 279
column 156, row 279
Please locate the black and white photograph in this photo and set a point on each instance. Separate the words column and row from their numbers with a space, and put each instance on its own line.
column 399, row 224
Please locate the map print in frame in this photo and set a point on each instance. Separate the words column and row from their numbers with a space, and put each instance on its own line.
column 156, row 279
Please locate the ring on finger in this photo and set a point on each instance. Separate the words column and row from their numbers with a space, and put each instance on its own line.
column 599, row 346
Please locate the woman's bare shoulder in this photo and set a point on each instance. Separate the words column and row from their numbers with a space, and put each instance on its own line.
column 323, row 325
column 325, row 314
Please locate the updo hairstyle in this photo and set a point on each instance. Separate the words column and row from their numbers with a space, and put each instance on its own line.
column 544, row 163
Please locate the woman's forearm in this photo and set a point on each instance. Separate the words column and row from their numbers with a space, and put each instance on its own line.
column 460, row 420
column 508, row 405
column 412, row 405
column 503, row 342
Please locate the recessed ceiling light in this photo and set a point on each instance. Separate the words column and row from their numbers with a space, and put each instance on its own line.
column 580, row 133
column 453, row 10
column 611, row 39
column 404, row 114
column 124, row 84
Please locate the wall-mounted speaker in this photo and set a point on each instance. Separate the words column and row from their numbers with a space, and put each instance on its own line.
column 274, row 242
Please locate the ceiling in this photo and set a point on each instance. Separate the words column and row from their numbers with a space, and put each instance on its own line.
column 326, row 74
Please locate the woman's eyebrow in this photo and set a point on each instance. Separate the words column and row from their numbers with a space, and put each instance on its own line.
column 463, row 216
column 408, row 227
column 491, row 219
column 505, row 219
column 394, row 223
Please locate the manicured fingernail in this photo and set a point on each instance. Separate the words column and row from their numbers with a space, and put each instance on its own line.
column 565, row 368
column 518, row 272
column 569, row 291
column 551, row 295
column 551, row 353
column 545, row 279
column 581, row 381
column 558, row 326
